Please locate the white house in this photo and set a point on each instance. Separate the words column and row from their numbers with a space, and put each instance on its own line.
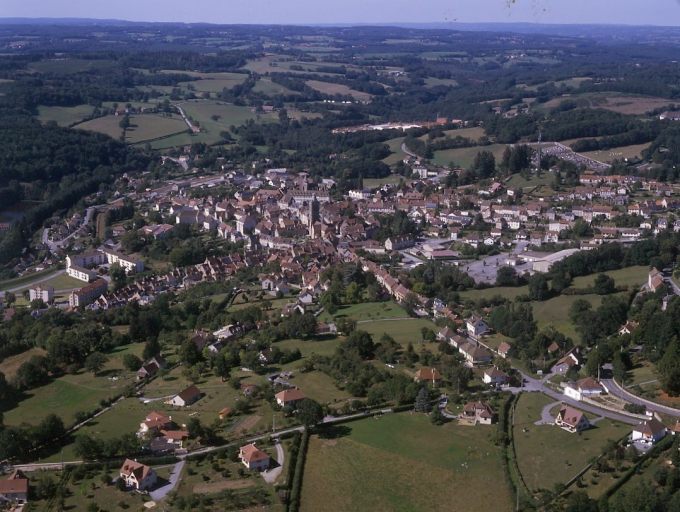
column 571, row 420
column 138, row 476
column 43, row 293
column 186, row 397
column 289, row 397
column 649, row 432
column 495, row 377
column 476, row 326
column 584, row 388
column 253, row 458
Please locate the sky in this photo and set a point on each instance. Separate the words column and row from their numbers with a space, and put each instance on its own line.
column 630, row 12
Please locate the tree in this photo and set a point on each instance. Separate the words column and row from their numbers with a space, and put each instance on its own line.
column 579, row 501
column 484, row 164
column 152, row 348
column 5, row 388
column 95, row 362
column 118, row 276
column 436, row 416
column 362, row 342
column 309, row 412
column 189, row 353
column 221, row 367
column 422, row 400
column 604, row 284
column 538, row 287
column 506, row 276
column 132, row 362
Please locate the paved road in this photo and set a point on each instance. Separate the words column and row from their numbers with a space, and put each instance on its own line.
column 623, row 394
column 162, row 492
column 39, row 279
column 405, row 149
column 271, row 475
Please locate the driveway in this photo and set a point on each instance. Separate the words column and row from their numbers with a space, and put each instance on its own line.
column 546, row 417
column 162, row 492
column 270, row 476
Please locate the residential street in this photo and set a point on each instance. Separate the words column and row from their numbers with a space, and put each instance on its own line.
column 616, row 390
column 162, row 492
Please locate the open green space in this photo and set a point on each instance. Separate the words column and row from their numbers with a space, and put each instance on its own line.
column 438, row 82
column 268, row 88
column 397, row 154
column 63, row 282
column 64, row 116
column 555, row 312
column 401, row 462
column 463, row 157
column 548, row 455
column 632, row 277
column 519, row 181
column 151, row 126
column 332, row 89
column 25, row 279
column 68, row 66
column 368, row 311
column 215, row 82
column 108, row 125
column 618, row 153
column 507, row 292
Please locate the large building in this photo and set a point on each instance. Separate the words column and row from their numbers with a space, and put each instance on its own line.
column 130, row 264
column 43, row 293
column 87, row 294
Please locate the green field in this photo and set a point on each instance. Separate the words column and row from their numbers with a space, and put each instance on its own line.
column 507, row 292
column 368, row 310
column 108, row 125
column 70, row 394
column 64, row 116
column 437, row 82
column 332, row 89
column 397, row 154
column 401, row 462
column 27, row 279
column 619, row 153
column 463, row 157
column 555, row 312
column 632, row 277
column 268, row 88
column 150, row 126
column 518, row 181
column 215, row 82
column 548, row 455
column 68, row 66
column 63, row 282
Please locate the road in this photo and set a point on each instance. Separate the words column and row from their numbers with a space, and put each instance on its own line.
column 405, row 149
column 619, row 392
column 271, row 475
column 39, row 279
column 162, row 492
column 55, row 246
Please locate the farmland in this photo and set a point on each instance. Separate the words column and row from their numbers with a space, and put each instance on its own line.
column 619, row 153
column 108, row 125
column 621, row 103
column 150, row 127
column 400, row 462
column 548, row 455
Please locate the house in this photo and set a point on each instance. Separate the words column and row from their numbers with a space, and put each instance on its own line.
column 475, row 354
column 584, row 388
column 570, row 360
column 476, row 326
column 478, row 412
column 138, row 476
column 654, row 280
column 430, row 375
column 155, row 422
column 253, row 458
column 150, row 368
column 398, row 243
column 504, row 349
column 289, row 397
column 186, row 397
column 87, row 294
column 445, row 334
column 224, row 413
column 627, row 328
column 571, row 420
column 14, row 489
column 649, row 432
column 495, row 377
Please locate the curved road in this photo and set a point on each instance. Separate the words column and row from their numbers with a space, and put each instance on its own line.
column 619, row 392
column 40, row 279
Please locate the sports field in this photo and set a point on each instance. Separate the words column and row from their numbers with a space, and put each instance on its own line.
column 401, row 462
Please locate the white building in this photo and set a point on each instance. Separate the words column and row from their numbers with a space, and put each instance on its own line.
column 43, row 293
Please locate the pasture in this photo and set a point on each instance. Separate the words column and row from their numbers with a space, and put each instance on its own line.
column 64, row 116
column 632, row 277
column 69, row 66
column 268, row 88
column 619, row 153
column 108, row 125
column 150, row 127
column 401, row 462
column 333, row 89
column 548, row 455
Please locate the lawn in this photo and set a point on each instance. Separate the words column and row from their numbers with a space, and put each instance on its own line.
column 401, row 462
column 10, row 365
column 108, row 125
column 403, row 331
column 555, row 312
column 332, row 89
column 29, row 278
column 64, row 116
column 463, row 157
column 397, row 154
column 268, row 88
column 507, row 292
column 518, row 181
column 548, row 455
column 63, row 282
column 368, row 310
column 150, row 126
column 392, row 179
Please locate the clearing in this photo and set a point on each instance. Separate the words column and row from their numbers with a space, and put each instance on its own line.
column 64, row 116
column 463, row 157
column 333, row 89
column 401, row 462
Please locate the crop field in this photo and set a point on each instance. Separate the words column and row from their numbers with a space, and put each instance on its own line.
column 108, row 125
column 64, row 116
column 463, row 157
column 332, row 89
column 548, row 455
column 149, row 127
column 401, row 462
